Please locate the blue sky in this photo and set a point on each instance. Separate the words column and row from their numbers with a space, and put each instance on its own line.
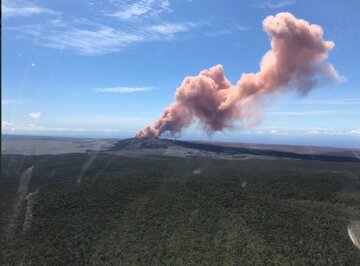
column 108, row 68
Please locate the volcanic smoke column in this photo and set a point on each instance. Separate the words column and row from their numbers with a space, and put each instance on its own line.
column 296, row 61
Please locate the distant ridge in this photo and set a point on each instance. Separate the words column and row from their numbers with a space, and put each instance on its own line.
column 151, row 143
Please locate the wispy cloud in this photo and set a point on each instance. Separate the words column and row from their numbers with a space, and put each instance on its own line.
column 274, row 4
column 86, row 124
column 90, row 42
column 7, row 127
column 35, row 115
column 11, row 101
column 123, row 89
column 87, row 38
column 18, row 8
column 90, row 37
column 169, row 29
column 141, row 9
column 306, row 131
column 227, row 31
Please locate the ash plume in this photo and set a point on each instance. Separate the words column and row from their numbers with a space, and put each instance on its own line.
column 296, row 61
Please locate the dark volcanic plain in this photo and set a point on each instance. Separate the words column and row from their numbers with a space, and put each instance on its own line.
column 153, row 201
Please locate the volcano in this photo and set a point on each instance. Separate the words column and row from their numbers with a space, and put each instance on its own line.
column 172, row 147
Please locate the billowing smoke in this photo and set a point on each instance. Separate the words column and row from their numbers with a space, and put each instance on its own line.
column 296, row 61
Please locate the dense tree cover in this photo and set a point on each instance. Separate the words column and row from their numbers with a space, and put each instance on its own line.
column 157, row 210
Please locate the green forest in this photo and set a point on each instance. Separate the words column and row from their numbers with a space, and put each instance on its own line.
column 103, row 209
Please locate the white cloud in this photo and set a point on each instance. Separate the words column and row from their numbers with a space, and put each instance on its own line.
column 124, row 89
column 169, row 29
column 273, row 131
column 5, row 123
column 23, row 128
column 305, row 131
column 219, row 32
column 141, row 9
column 7, row 126
column 86, row 124
column 108, row 124
column 227, row 31
column 35, row 115
column 12, row 101
column 87, row 38
column 274, row 4
column 88, row 42
column 354, row 132
column 23, row 8
column 241, row 28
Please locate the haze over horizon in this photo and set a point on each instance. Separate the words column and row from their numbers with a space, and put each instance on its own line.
column 110, row 68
